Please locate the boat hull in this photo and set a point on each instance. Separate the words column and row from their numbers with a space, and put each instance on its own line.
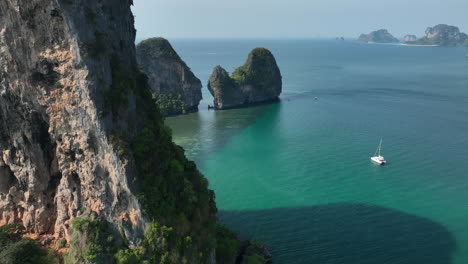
column 378, row 160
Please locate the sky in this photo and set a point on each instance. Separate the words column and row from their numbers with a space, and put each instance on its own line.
column 293, row 18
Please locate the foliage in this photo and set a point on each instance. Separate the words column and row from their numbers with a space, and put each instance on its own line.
column 160, row 245
column 14, row 249
column 95, row 48
column 128, row 256
column 58, row 85
column 156, row 48
column 116, row 98
column 257, row 70
column 62, row 243
column 227, row 245
column 254, row 259
column 171, row 103
column 91, row 241
column 172, row 191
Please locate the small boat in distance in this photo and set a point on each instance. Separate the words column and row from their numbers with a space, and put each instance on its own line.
column 378, row 158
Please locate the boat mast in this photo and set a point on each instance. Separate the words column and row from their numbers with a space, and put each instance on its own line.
column 380, row 146
column 378, row 149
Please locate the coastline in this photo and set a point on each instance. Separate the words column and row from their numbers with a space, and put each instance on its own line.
column 418, row 45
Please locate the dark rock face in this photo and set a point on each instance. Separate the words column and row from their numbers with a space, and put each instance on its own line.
column 175, row 87
column 257, row 81
column 225, row 90
column 410, row 38
column 442, row 35
column 379, row 36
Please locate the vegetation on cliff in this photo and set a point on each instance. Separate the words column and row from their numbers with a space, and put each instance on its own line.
column 257, row 70
column 157, row 48
column 174, row 194
column 14, row 249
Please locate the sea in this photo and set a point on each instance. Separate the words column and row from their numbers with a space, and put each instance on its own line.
column 297, row 174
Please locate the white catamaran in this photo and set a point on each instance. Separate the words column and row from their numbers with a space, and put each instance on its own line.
column 378, row 158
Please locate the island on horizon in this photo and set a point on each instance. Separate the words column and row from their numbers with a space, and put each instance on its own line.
column 441, row 35
column 378, row 36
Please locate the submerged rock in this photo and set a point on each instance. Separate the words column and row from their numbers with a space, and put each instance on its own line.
column 442, row 35
column 175, row 87
column 257, row 81
column 379, row 36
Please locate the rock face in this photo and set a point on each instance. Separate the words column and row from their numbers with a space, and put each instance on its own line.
column 80, row 134
column 175, row 87
column 257, row 81
column 410, row 38
column 442, row 35
column 379, row 36
column 56, row 159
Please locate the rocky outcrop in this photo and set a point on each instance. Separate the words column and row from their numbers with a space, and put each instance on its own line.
column 379, row 36
column 253, row 252
column 225, row 90
column 442, row 35
column 257, row 81
column 410, row 38
column 175, row 87
column 80, row 134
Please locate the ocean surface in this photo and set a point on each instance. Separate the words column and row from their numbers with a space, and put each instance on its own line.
column 297, row 174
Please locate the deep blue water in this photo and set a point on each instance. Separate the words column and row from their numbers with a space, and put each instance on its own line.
column 297, row 174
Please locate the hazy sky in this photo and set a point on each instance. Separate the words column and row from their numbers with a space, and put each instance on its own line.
column 293, row 18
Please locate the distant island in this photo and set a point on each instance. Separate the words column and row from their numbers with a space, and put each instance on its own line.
column 408, row 38
column 442, row 35
column 175, row 88
column 257, row 81
column 379, row 36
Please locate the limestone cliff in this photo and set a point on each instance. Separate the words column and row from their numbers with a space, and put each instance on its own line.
column 57, row 160
column 442, row 35
column 257, row 81
column 410, row 38
column 80, row 137
column 175, row 87
column 379, row 36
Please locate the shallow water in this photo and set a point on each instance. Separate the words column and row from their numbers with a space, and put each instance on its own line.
column 297, row 174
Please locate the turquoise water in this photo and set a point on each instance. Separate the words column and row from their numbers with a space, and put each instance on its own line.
column 297, row 174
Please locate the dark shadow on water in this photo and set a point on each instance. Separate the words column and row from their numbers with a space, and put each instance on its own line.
column 209, row 131
column 345, row 234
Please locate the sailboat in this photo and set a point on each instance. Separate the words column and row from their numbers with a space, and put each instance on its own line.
column 378, row 158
